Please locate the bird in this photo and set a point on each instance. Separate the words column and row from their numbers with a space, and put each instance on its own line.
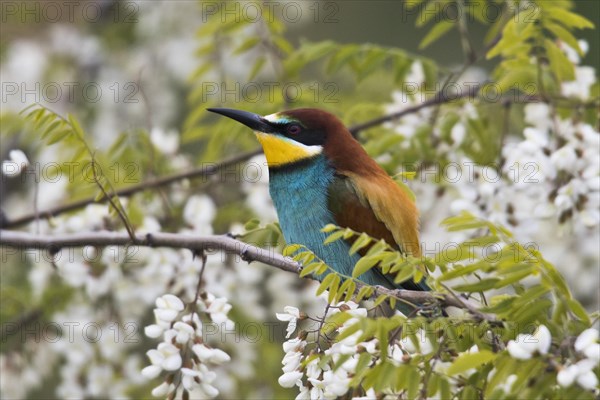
column 319, row 174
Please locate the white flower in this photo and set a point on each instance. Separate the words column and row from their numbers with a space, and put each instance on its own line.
column 163, row 389
column 209, row 390
column 458, row 133
column 168, row 307
column 289, row 379
column 536, row 136
column 422, row 346
column 518, row 351
column 188, row 377
column 291, row 362
column 506, row 387
column 564, row 158
column 294, row 344
column 585, row 77
column 538, row 115
column 199, row 211
column 304, row 393
column 167, row 143
column 166, row 356
column 291, row 315
column 153, row 331
column 336, row 383
column 587, row 343
column 151, row 371
column 526, row 345
column 582, row 372
column 369, row 395
column 544, row 338
column 587, row 380
column 184, row 332
column 205, row 354
column 567, row 375
column 18, row 162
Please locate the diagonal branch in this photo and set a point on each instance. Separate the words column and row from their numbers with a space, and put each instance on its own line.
column 248, row 252
column 440, row 98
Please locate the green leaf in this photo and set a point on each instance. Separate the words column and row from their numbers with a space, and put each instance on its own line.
column 75, row 125
column 283, row 44
column 364, row 292
column 329, row 228
column 57, row 136
column 380, row 299
column 560, row 65
column 404, row 274
column 579, row 311
column 348, row 331
column 253, row 224
column 288, row 250
column 533, row 312
column 363, row 265
column 326, row 282
column 481, row 286
column 569, row 19
column 362, row 241
column 333, row 237
column 347, row 284
column 435, row 33
column 247, row 45
column 260, row 61
column 333, row 288
column 466, row 361
column 335, row 321
column 460, row 270
column 339, row 59
column 309, row 269
column 431, row 11
column 564, row 35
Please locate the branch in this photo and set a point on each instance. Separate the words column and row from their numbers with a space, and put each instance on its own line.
column 439, row 98
column 224, row 243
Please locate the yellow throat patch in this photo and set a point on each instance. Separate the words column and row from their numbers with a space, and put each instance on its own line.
column 281, row 150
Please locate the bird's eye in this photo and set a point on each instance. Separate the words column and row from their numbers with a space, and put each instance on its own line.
column 294, row 129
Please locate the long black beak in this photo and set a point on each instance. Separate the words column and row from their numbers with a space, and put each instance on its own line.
column 253, row 121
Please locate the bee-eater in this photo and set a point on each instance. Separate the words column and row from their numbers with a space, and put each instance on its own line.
column 319, row 174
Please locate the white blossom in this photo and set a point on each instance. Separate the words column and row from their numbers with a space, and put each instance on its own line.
column 214, row 356
column 289, row 379
column 163, row 389
column 17, row 163
column 587, row 343
column 165, row 142
column 291, row 316
column 524, row 346
column 168, row 307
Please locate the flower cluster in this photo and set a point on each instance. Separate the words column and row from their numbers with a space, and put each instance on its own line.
column 183, row 355
column 304, row 368
column 586, row 345
column 588, row 348
column 547, row 177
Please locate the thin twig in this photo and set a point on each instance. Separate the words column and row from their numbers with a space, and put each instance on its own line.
column 224, row 243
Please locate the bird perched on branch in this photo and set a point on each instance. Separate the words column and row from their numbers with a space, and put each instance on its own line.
column 319, row 174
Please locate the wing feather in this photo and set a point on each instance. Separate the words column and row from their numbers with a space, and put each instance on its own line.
column 378, row 207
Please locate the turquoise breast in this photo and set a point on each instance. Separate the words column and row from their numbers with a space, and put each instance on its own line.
column 300, row 195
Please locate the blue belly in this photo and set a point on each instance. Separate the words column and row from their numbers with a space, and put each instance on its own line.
column 300, row 197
